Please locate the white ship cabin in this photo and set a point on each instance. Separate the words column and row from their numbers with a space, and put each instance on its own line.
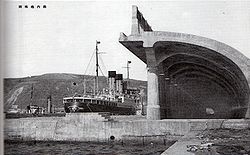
column 94, row 99
column 116, row 94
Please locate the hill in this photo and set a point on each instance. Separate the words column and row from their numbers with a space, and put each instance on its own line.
column 18, row 91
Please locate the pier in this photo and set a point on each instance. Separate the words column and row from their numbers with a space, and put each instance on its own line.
column 95, row 127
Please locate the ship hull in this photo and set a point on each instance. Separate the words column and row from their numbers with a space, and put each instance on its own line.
column 92, row 107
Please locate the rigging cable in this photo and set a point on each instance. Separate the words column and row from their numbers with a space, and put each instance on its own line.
column 89, row 63
column 101, row 71
column 105, row 69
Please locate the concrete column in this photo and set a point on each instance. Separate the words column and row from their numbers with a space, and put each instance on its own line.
column 153, row 107
column 248, row 111
column 135, row 29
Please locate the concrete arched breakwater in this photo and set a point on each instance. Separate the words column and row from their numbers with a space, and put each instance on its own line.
column 189, row 76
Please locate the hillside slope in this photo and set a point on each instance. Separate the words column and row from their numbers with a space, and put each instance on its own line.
column 17, row 91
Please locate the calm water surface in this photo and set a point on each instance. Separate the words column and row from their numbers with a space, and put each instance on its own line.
column 82, row 148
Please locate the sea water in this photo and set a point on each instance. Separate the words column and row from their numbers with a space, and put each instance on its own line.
column 82, row 148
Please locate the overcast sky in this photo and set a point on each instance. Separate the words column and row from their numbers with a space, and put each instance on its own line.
column 61, row 38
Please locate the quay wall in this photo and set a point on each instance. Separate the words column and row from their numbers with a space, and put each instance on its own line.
column 93, row 127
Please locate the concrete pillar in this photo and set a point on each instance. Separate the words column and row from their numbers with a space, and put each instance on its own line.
column 139, row 24
column 153, row 107
column 248, row 111
column 135, row 30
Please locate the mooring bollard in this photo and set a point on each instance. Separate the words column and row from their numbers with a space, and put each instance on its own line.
column 112, row 139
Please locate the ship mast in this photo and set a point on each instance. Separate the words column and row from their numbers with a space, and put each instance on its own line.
column 128, row 69
column 97, row 65
column 128, row 62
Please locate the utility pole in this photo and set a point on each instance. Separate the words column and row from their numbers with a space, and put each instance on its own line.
column 84, row 86
column 31, row 94
column 31, row 98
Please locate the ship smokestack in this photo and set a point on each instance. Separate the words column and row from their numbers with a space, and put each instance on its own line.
column 49, row 104
column 118, row 82
column 111, row 81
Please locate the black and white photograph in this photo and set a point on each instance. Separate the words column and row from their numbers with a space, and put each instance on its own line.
column 125, row 77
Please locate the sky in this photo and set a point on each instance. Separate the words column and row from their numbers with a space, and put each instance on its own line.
column 62, row 37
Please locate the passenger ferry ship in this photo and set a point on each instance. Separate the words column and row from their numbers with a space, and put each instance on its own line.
column 118, row 99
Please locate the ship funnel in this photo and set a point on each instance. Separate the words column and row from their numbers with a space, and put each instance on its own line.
column 118, row 81
column 49, row 104
column 111, row 81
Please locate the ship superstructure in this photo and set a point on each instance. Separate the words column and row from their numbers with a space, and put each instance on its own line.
column 116, row 99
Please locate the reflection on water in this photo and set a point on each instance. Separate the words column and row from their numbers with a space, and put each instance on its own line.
column 82, row 148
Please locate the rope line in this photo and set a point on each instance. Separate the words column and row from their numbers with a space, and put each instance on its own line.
column 105, row 69
column 89, row 63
